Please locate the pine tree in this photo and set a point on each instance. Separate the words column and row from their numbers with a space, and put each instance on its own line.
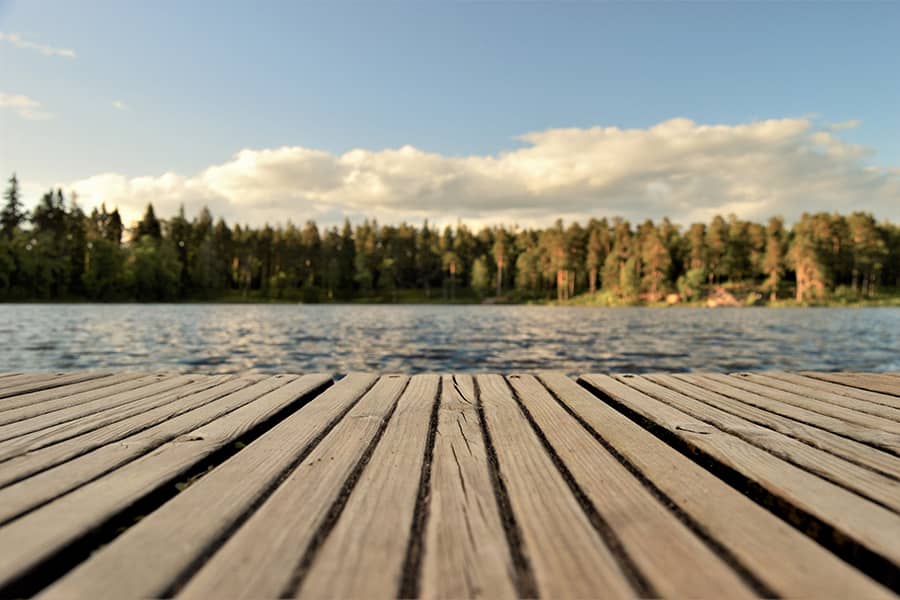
column 655, row 261
column 149, row 226
column 598, row 246
column 13, row 213
column 773, row 261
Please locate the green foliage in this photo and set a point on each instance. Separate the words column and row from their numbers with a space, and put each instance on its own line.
column 691, row 283
column 481, row 276
column 64, row 253
column 13, row 214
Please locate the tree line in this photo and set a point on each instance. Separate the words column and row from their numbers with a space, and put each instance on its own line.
column 59, row 252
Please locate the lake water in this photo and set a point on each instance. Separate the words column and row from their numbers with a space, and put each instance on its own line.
column 342, row 338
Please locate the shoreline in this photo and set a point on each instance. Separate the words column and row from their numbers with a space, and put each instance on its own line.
column 893, row 302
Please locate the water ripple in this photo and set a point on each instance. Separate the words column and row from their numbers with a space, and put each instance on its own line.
column 341, row 338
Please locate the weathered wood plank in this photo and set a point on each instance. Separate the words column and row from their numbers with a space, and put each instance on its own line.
column 566, row 553
column 865, row 381
column 29, row 418
column 25, row 544
column 836, row 388
column 34, row 383
column 96, row 385
column 876, row 487
column 880, row 439
column 674, row 561
column 151, row 558
column 101, row 451
column 365, row 553
column 857, row 404
column 872, row 528
column 262, row 559
column 813, row 404
column 857, row 452
column 466, row 553
column 60, row 432
column 20, row 378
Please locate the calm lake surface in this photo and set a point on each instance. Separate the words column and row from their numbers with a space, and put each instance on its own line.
column 342, row 338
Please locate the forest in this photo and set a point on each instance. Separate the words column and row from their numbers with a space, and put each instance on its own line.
column 57, row 252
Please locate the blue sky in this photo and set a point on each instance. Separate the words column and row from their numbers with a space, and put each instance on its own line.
column 198, row 81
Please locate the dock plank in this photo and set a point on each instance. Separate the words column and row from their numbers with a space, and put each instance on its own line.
column 787, row 562
column 30, row 419
column 836, row 388
column 365, row 553
column 96, row 385
column 44, row 381
column 876, row 487
column 810, row 403
column 857, row 404
column 566, row 553
column 264, row 556
column 45, row 474
column 19, row 378
column 879, row 439
column 60, row 432
column 865, row 381
column 764, row 484
column 28, row 542
column 183, row 531
column 849, row 449
column 871, row 528
column 675, row 562
column 466, row 553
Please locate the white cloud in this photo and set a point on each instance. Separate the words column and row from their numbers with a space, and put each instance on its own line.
column 119, row 105
column 25, row 107
column 19, row 41
column 677, row 168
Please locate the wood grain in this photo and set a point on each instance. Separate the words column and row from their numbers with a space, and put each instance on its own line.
column 260, row 560
column 185, row 530
column 849, row 449
column 874, row 486
column 568, row 556
column 26, row 543
column 879, row 439
column 836, row 388
column 788, row 562
column 466, row 553
column 364, row 555
column 858, row 404
column 675, row 562
column 869, row 525
column 866, row 381
column 102, row 451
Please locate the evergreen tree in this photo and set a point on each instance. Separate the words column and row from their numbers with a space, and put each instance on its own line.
column 773, row 263
column 598, row 247
column 655, row 261
column 148, row 226
column 13, row 213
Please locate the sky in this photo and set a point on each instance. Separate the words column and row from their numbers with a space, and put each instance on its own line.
column 481, row 111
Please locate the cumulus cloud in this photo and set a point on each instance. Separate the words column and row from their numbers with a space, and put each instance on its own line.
column 678, row 168
column 19, row 41
column 25, row 107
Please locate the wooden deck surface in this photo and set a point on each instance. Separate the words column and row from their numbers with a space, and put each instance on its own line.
column 770, row 484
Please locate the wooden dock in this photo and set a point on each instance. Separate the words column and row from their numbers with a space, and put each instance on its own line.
column 771, row 484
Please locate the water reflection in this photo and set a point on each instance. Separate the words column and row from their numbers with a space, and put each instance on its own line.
column 295, row 338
